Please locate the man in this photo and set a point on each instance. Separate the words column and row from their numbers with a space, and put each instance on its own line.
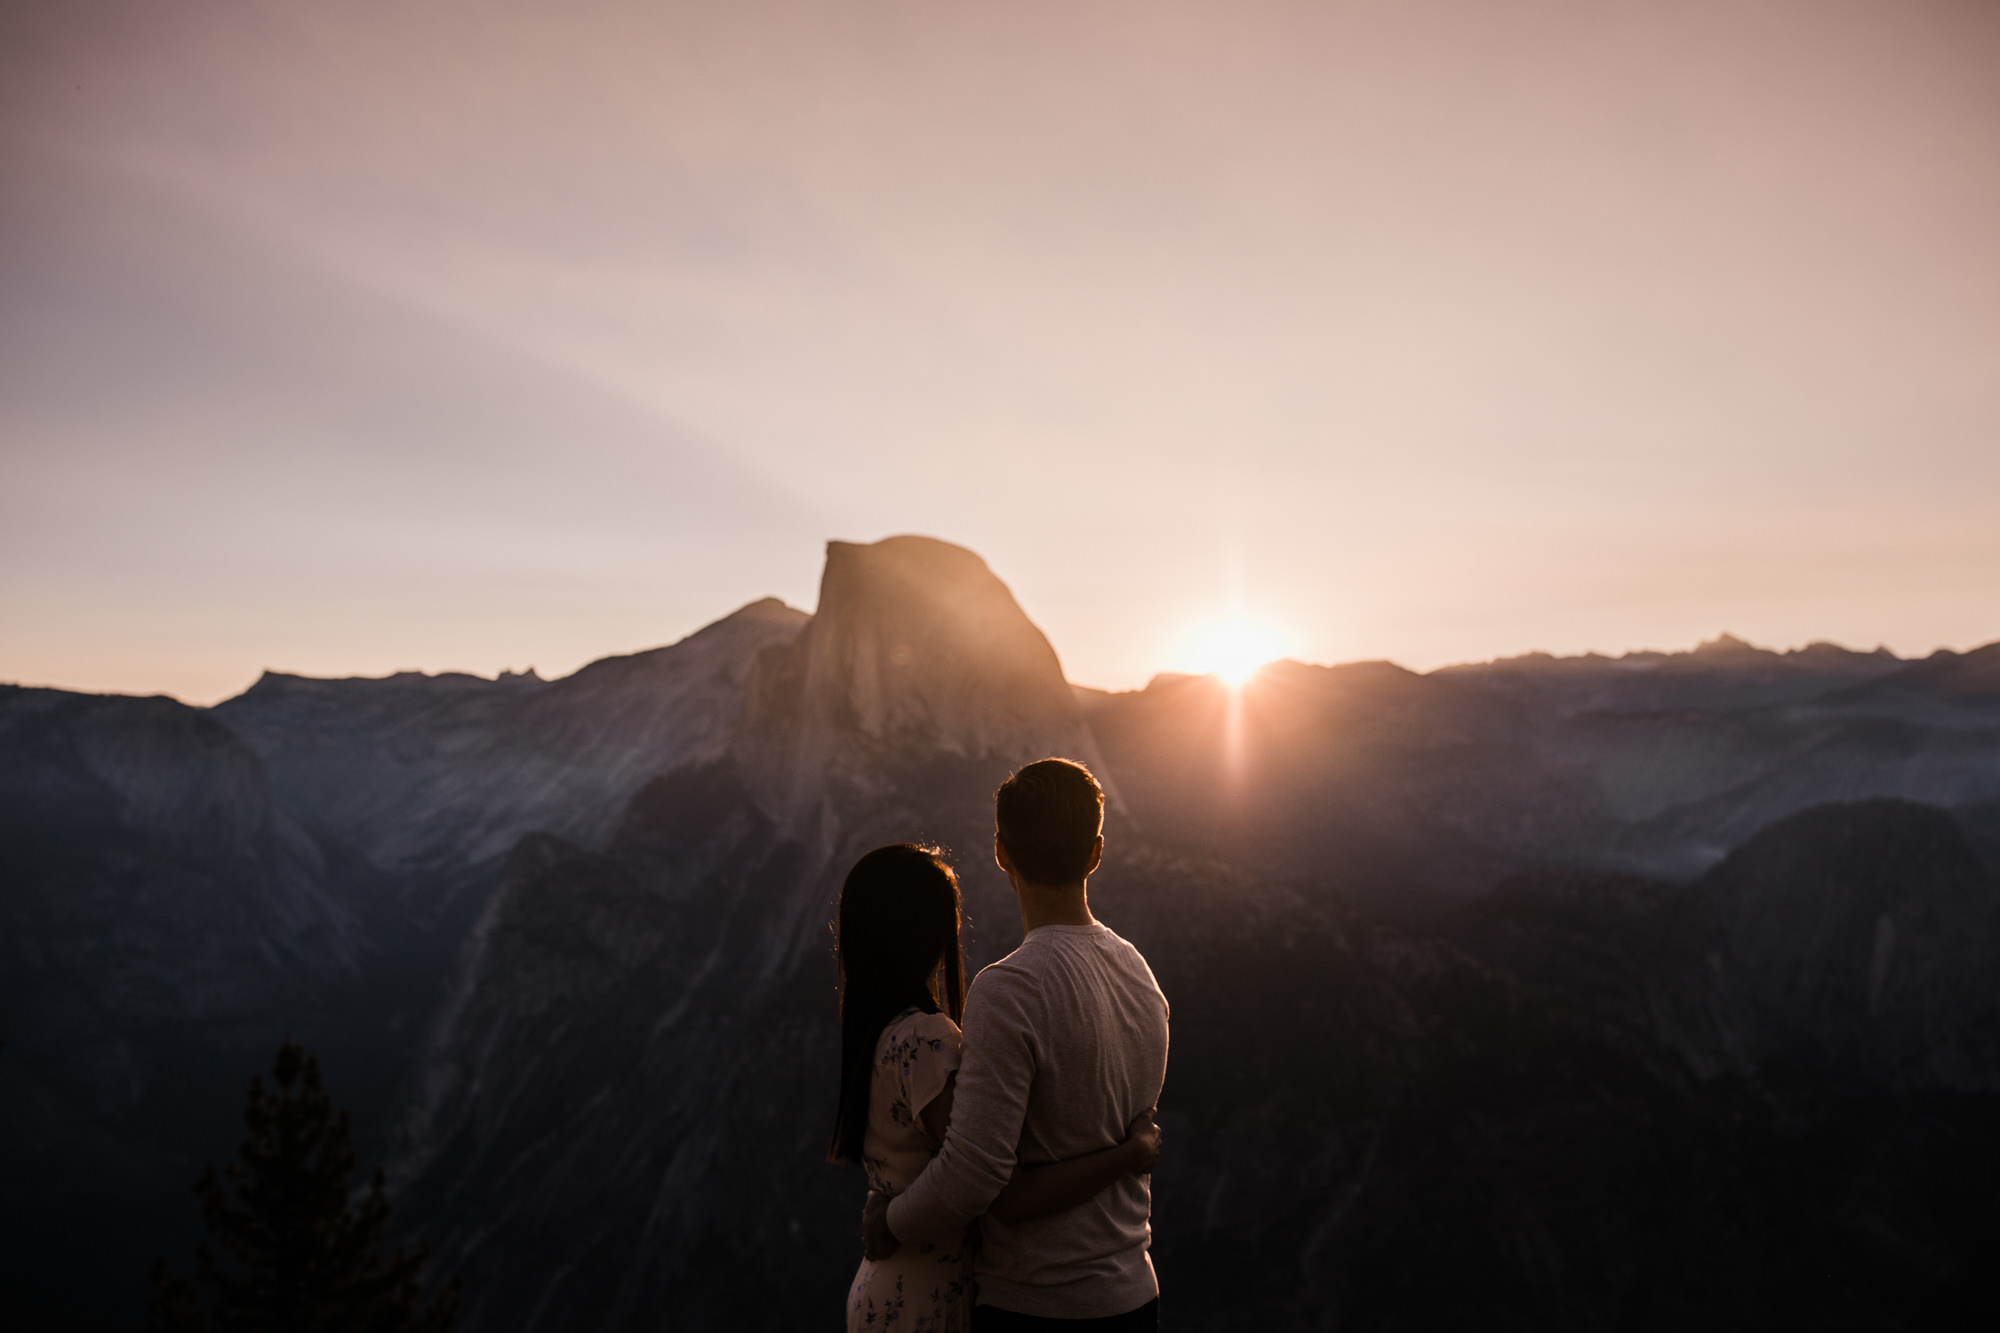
column 1065, row 1045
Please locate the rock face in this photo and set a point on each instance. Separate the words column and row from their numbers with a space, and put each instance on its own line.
column 414, row 772
column 916, row 651
column 1637, row 992
column 917, row 643
column 146, row 854
column 621, row 1074
column 187, row 886
column 157, row 911
column 1861, row 939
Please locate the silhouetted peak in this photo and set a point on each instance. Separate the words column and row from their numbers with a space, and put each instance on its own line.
column 737, row 635
column 916, row 647
column 1968, row 676
column 272, row 685
column 1821, row 652
column 1724, row 650
column 916, row 636
column 1727, row 646
column 1971, row 678
column 767, row 609
column 927, row 560
column 1373, row 669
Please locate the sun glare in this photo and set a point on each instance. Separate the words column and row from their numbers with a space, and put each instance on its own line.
column 1231, row 649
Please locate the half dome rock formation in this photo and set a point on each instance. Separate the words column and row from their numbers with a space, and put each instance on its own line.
column 916, row 648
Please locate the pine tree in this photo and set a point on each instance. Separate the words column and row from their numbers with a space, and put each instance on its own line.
column 298, row 1256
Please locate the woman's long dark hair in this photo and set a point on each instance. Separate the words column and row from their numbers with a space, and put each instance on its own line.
column 896, row 936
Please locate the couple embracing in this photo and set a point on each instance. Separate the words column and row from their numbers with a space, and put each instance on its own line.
column 1008, row 1162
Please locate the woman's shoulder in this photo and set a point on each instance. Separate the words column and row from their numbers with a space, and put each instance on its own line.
column 915, row 1026
column 934, row 1025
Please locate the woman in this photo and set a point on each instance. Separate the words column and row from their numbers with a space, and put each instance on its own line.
column 902, row 992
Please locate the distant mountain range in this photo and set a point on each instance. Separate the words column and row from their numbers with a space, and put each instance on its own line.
column 1592, row 992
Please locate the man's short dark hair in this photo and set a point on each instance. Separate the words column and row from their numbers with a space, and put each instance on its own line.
column 1048, row 816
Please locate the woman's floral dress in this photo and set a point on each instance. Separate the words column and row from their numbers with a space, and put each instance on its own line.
column 920, row 1288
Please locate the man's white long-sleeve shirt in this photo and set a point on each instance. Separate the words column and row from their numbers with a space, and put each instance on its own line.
column 1065, row 1042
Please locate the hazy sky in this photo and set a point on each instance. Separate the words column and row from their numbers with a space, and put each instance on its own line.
column 343, row 338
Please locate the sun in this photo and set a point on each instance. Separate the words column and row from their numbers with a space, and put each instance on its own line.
column 1231, row 649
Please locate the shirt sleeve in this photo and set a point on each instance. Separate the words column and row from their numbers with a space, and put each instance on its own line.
column 928, row 1052
column 994, row 1079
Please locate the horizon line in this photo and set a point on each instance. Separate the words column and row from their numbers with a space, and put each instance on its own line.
column 1723, row 640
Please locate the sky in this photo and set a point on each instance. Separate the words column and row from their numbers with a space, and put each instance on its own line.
column 411, row 334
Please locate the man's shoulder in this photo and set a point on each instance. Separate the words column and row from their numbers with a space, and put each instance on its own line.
column 1121, row 944
column 1017, row 967
column 1128, row 965
column 1019, row 976
column 1063, row 948
column 1031, row 956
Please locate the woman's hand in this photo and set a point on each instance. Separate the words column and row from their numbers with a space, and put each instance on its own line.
column 877, row 1241
column 1142, row 1141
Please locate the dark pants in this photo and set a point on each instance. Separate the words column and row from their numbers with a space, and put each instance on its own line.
column 989, row 1319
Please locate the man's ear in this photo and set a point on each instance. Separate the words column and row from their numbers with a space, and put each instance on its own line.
column 1096, row 856
column 1000, row 857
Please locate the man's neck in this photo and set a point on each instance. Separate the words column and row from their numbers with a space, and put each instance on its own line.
column 1042, row 906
